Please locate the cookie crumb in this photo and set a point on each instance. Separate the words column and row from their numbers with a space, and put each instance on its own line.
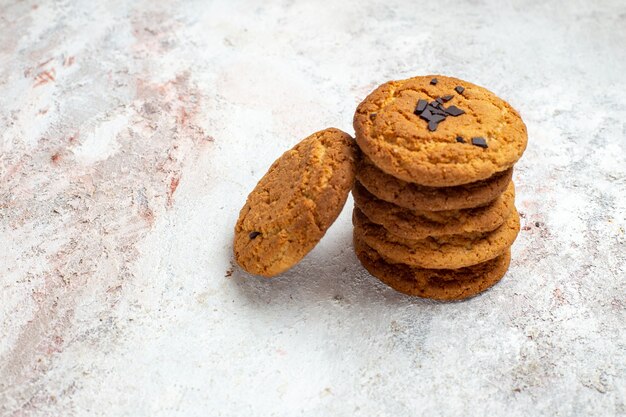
column 229, row 271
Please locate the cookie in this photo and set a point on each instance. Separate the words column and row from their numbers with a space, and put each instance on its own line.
column 294, row 203
column 418, row 197
column 417, row 224
column 442, row 252
column 439, row 131
column 438, row 284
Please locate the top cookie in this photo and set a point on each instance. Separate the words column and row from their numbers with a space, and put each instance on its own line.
column 439, row 131
column 295, row 202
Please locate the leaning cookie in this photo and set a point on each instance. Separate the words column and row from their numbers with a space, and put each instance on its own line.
column 419, row 197
column 443, row 252
column 438, row 284
column 439, row 131
column 291, row 207
column 419, row 224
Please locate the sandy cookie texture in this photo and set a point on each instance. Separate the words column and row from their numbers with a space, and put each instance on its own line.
column 417, row 142
column 295, row 202
column 438, row 284
column 442, row 252
column 434, row 198
column 418, row 197
column 419, row 224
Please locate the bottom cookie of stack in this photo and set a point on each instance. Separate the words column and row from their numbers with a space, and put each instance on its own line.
column 438, row 284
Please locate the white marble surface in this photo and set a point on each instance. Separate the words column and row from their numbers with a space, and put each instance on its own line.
column 131, row 133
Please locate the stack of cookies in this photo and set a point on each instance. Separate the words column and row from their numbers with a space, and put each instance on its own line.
column 434, row 202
